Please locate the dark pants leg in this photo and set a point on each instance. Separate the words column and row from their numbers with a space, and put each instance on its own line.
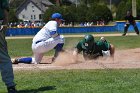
column 136, row 28
column 58, row 48
column 6, row 68
column 126, row 28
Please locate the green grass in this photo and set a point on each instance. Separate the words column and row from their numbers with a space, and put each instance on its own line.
column 127, row 42
column 22, row 47
column 77, row 81
column 106, row 32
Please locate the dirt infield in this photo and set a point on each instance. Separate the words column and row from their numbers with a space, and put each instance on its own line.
column 123, row 59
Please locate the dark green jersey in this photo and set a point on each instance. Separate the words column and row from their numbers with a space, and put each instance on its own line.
column 96, row 48
column 3, row 5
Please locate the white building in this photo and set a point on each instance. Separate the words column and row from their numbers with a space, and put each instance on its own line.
column 32, row 10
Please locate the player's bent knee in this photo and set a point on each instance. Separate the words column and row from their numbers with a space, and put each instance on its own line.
column 59, row 46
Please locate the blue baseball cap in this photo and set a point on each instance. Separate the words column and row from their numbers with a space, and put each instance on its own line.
column 57, row 15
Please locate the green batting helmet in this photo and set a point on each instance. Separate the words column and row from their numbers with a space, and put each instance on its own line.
column 89, row 41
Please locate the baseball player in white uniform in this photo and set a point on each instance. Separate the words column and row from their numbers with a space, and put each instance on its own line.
column 45, row 40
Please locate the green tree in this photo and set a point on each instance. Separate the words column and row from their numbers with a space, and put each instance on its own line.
column 50, row 11
column 80, row 13
column 12, row 16
column 99, row 12
column 69, row 13
column 123, row 7
column 16, row 3
column 138, row 9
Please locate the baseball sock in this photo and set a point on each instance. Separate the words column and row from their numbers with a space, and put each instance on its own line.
column 26, row 60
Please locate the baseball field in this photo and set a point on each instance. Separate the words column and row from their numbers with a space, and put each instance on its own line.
column 97, row 76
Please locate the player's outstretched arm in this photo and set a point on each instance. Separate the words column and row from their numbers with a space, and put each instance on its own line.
column 112, row 50
column 75, row 55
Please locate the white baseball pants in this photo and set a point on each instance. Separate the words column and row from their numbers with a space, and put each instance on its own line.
column 39, row 48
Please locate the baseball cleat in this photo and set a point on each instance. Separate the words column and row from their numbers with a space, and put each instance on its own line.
column 12, row 89
column 123, row 34
column 15, row 61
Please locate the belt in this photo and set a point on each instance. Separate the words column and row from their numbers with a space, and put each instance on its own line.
column 38, row 41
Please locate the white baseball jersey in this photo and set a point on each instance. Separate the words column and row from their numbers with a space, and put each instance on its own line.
column 45, row 32
column 46, row 39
